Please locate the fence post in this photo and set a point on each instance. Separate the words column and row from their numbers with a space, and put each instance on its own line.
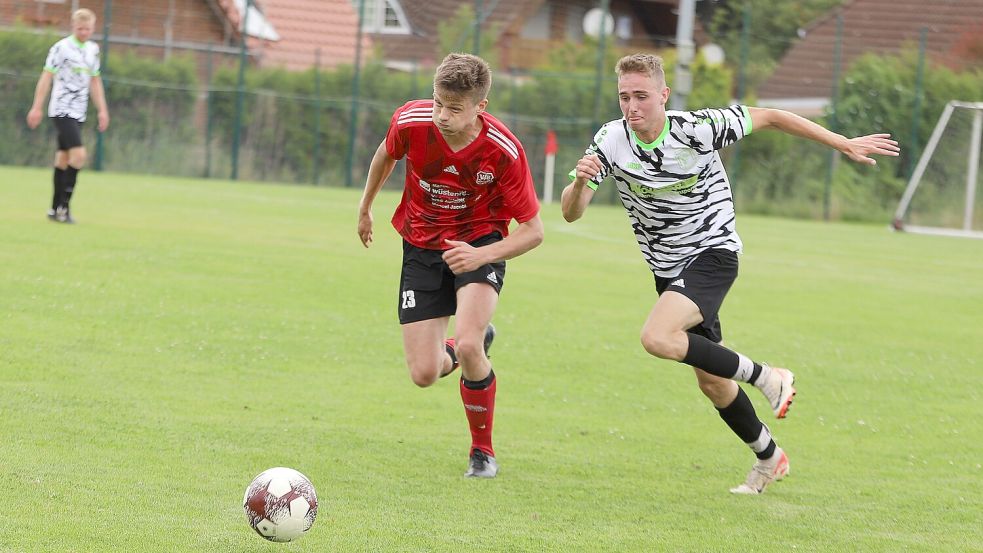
column 741, row 84
column 240, row 91
column 478, row 16
column 833, row 118
column 353, row 118
column 208, row 113
column 107, row 15
column 916, row 113
column 316, row 175
column 683, row 85
column 601, row 47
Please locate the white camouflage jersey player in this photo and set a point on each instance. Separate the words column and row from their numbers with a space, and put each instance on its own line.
column 73, row 64
column 680, row 205
column 675, row 189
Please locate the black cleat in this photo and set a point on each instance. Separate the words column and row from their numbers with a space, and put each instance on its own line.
column 481, row 465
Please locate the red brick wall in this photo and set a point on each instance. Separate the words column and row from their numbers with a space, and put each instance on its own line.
column 192, row 20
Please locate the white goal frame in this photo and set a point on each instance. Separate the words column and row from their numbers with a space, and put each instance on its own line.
column 971, row 174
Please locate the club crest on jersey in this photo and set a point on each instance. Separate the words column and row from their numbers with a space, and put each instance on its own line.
column 686, row 158
column 484, row 177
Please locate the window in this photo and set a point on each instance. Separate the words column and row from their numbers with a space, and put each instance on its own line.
column 383, row 16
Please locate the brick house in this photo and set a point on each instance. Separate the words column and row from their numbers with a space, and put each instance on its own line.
column 406, row 30
column 803, row 80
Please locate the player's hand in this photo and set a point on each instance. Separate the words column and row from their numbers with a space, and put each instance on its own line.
column 103, row 120
column 462, row 257
column 34, row 118
column 588, row 167
column 365, row 227
column 858, row 149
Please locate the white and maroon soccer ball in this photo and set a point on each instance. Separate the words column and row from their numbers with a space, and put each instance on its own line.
column 280, row 504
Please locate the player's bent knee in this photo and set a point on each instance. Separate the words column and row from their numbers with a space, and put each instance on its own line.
column 659, row 344
column 469, row 350
column 424, row 379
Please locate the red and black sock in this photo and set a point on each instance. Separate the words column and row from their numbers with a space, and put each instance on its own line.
column 479, row 406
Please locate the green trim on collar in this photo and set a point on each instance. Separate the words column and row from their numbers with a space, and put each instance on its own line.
column 76, row 41
column 650, row 145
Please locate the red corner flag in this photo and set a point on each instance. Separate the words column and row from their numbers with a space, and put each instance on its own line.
column 551, row 145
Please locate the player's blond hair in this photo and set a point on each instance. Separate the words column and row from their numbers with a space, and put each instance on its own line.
column 649, row 65
column 463, row 75
column 84, row 15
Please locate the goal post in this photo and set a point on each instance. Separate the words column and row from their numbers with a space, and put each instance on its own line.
column 945, row 176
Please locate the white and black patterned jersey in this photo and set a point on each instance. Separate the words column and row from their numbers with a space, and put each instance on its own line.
column 675, row 189
column 73, row 64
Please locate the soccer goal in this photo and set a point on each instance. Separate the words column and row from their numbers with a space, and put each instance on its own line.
column 941, row 195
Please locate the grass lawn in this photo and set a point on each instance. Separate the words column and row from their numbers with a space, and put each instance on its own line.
column 186, row 335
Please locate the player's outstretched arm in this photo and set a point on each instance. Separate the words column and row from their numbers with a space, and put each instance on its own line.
column 379, row 170
column 858, row 149
column 40, row 93
column 576, row 196
column 463, row 257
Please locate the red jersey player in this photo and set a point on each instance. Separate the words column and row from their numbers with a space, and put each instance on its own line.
column 466, row 178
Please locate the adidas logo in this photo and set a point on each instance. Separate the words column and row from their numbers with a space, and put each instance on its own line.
column 451, row 169
column 492, row 277
column 678, row 283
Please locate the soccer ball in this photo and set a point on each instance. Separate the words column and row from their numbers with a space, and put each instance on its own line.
column 280, row 504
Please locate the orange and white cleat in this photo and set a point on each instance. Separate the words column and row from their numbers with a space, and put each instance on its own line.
column 764, row 472
column 778, row 387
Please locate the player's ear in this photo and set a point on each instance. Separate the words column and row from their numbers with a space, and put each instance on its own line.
column 482, row 105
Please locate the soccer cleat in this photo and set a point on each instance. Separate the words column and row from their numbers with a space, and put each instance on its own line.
column 764, row 472
column 63, row 215
column 481, row 465
column 449, row 345
column 779, row 390
column 52, row 216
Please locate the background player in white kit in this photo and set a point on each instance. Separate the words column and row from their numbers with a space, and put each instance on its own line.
column 673, row 185
column 72, row 66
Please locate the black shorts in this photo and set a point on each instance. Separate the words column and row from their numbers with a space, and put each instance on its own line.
column 69, row 132
column 706, row 281
column 428, row 287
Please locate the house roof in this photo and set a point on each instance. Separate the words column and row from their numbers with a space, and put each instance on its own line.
column 424, row 15
column 308, row 25
column 805, row 74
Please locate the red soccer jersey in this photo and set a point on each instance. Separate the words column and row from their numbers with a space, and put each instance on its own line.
column 459, row 195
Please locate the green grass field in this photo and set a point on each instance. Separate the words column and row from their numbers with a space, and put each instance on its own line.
column 188, row 334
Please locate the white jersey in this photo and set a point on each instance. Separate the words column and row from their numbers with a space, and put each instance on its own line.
column 675, row 189
column 73, row 64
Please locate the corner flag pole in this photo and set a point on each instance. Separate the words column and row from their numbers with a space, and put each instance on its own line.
column 549, row 170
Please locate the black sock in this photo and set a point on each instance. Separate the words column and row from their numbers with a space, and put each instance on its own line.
column 59, row 187
column 71, row 176
column 479, row 384
column 741, row 418
column 717, row 360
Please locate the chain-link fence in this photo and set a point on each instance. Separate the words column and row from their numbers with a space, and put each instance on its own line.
column 190, row 115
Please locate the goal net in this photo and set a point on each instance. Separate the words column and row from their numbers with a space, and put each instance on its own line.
column 943, row 195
